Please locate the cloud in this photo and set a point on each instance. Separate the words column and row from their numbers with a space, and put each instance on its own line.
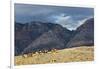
column 69, row 17
column 68, row 21
column 80, row 22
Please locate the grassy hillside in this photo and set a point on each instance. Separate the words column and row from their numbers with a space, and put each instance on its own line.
column 76, row 54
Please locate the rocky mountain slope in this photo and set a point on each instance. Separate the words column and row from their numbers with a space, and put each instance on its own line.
column 36, row 36
column 84, row 35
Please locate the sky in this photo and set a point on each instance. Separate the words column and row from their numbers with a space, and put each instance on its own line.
column 68, row 17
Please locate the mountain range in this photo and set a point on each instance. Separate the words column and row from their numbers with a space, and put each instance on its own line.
column 36, row 36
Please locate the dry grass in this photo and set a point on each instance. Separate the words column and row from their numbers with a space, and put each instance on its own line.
column 60, row 56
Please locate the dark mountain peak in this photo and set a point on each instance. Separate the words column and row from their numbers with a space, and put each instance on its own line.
column 35, row 36
column 55, row 37
column 87, row 24
column 31, row 33
column 18, row 26
column 84, row 35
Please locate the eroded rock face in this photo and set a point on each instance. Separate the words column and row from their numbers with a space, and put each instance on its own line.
column 36, row 36
column 84, row 35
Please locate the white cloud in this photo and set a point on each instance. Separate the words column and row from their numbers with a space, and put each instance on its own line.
column 80, row 22
column 68, row 21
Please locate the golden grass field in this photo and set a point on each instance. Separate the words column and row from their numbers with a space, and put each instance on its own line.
column 76, row 54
